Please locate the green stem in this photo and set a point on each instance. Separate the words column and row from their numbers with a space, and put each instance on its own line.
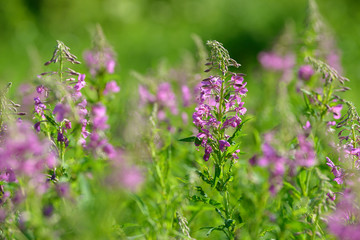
column 306, row 193
column 315, row 224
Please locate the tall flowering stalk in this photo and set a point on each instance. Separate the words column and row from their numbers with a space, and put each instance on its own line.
column 343, row 222
column 60, row 107
column 101, row 61
column 219, row 112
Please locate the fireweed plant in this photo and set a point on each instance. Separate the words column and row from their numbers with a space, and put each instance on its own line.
column 344, row 222
column 60, row 110
column 220, row 108
column 101, row 63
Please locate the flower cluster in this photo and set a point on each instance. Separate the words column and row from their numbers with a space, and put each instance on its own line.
column 98, row 141
column 305, row 72
column 101, row 61
column 24, row 155
column 165, row 99
column 303, row 155
column 123, row 174
column 220, row 107
column 275, row 62
column 277, row 165
column 98, row 61
column 67, row 90
column 344, row 222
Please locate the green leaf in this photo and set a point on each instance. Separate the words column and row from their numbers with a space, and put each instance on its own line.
column 205, row 176
column 188, row 139
column 220, row 213
column 295, row 192
column 306, row 92
column 206, row 200
column 51, row 120
column 211, row 229
column 217, row 174
column 201, row 191
column 302, row 176
column 268, row 229
column 197, row 141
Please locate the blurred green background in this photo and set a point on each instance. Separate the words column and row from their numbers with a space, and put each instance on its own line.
column 143, row 32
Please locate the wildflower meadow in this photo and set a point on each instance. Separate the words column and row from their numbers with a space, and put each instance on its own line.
column 213, row 146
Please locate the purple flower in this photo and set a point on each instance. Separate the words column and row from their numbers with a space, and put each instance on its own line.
column 145, row 96
column 40, row 89
column 48, row 210
column 331, row 196
column 67, row 124
column 276, row 62
column 307, row 126
column 336, row 110
column 344, row 222
column 186, row 95
column 23, row 154
column 100, row 61
column 239, row 85
column 37, row 126
column 131, row 178
column 234, row 155
column 83, row 104
column 337, row 171
column 305, row 72
column 184, row 118
column 82, row 111
column 208, row 151
column 123, row 174
column 111, row 87
column 83, row 123
column 110, row 65
column 204, row 135
column 232, row 122
column 210, row 86
column 81, row 82
column 60, row 110
column 109, row 150
column 8, row 175
column 305, row 155
column 99, row 117
column 223, row 144
column 39, row 106
column 166, row 97
column 201, row 114
column 62, row 138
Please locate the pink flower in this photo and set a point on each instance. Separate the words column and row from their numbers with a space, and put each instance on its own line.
column 272, row 61
column 186, row 95
column 305, row 156
column 110, row 66
column 336, row 110
column 111, row 87
column 305, row 72
column 223, row 144
column 337, row 171
column 60, row 110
